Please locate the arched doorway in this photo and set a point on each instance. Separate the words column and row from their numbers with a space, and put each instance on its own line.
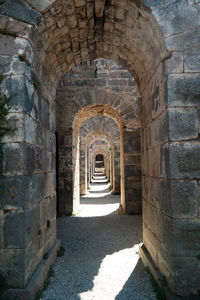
column 129, row 34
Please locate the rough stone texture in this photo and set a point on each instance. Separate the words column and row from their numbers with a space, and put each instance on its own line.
column 156, row 46
column 28, row 181
column 21, row 11
column 132, row 164
column 96, row 82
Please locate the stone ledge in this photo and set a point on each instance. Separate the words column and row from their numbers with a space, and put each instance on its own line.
column 37, row 280
column 147, row 261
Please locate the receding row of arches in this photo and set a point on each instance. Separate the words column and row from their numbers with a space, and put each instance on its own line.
column 70, row 65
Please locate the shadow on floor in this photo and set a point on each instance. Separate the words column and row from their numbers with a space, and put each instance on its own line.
column 88, row 242
column 100, row 260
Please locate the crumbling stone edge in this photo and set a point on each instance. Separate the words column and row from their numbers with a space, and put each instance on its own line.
column 37, row 280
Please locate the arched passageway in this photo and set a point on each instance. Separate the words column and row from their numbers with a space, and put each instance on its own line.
column 40, row 43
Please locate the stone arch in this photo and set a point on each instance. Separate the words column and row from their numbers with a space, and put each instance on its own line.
column 59, row 40
column 103, row 135
column 105, row 153
column 131, row 35
column 84, row 114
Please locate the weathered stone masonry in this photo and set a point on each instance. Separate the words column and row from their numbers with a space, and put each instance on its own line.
column 104, row 82
column 158, row 43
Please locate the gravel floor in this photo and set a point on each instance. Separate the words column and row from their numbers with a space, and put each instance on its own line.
column 101, row 261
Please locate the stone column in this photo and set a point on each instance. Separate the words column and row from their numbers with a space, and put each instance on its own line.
column 65, row 172
column 111, row 168
column 116, row 184
column 88, row 168
column 108, row 166
column 83, row 168
column 132, row 169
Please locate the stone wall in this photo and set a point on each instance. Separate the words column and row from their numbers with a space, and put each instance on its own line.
column 160, row 47
column 28, row 179
column 132, row 166
column 170, row 142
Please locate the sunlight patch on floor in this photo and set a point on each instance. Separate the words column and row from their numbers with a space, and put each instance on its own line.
column 113, row 273
column 89, row 210
column 98, row 187
column 95, row 195
column 100, row 208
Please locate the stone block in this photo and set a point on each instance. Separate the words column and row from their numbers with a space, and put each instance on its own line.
column 11, row 65
column 32, row 258
column 177, row 198
column 52, row 204
column 158, row 161
column 120, row 14
column 165, row 10
column 44, row 213
column 15, row 192
column 186, row 279
column 32, row 219
column 40, row 135
column 30, row 126
column 18, row 28
column 99, row 8
column 40, row 5
column 12, row 266
column 183, row 123
column 13, row 160
column 37, row 188
column 184, row 199
column 90, row 10
column 50, row 184
column 15, row 229
column 21, row 11
column 100, row 82
column 180, row 20
column 185, row 237
column 21, row 90
column 175, row 63
column 192, row 61
column 184, row 160
column 132, row 159
column 183, row 90
column 16, row 128
column 11, row 46
column 183, row 40
column 19, row 159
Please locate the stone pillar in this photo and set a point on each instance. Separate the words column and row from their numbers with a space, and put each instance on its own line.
column 83, row 168
column 65, row 172
column 116, row 184
column 27, row 175
column 111, row 168
column 132, row 169
column 108, row 166
column 170, row 170
column 88, row 168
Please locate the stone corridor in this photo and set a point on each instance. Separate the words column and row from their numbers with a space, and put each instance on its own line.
column 83, row 78
column 101, row 261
